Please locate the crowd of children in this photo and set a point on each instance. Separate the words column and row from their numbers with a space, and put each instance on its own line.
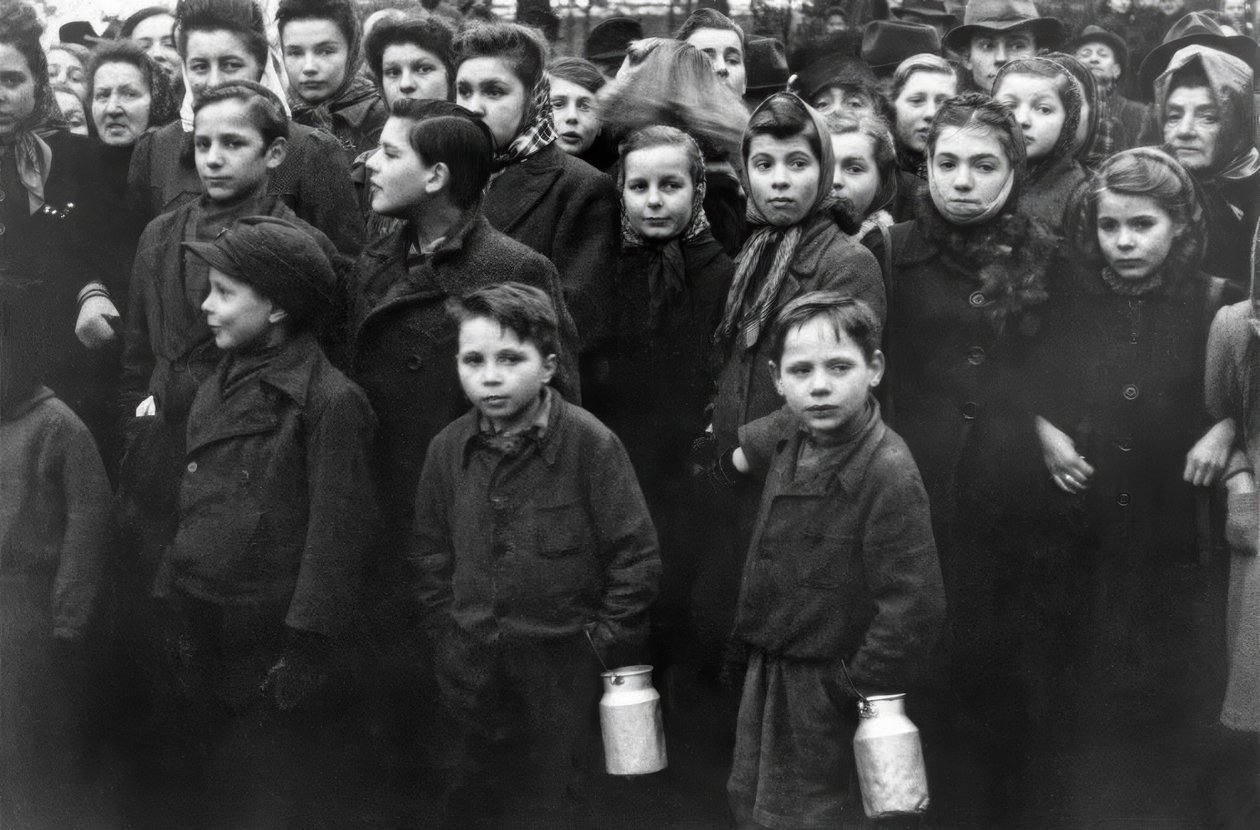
column 372, row 379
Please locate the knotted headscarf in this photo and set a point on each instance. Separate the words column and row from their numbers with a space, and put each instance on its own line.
column 536, row 131
column 751, row 300
column 31, row 152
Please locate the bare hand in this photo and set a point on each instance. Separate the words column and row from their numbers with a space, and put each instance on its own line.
column 1207, row 458
column 1069, row 470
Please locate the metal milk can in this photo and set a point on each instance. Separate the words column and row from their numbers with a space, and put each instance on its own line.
column 889, row 758
column 630, row 720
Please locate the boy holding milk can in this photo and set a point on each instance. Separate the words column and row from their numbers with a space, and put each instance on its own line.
column 536, row 553
column 841, row 594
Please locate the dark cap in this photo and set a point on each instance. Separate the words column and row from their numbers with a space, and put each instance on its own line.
column 609, row 38
column 886, row 43
column 1097, row 34
column 927, row 9
column 767, row 64
column 277, row 258
column 78, row 32
column 1002, row 16
column 1194, row 29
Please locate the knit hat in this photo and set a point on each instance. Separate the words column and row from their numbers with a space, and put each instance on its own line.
column 834, row 70
column 277, row 258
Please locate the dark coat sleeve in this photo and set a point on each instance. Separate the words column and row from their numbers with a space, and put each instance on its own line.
column 585, row 253
column 137, row 355
column 325, row 195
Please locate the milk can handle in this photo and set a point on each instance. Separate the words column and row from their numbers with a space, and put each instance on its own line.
column 587, row 631
column 866, row 709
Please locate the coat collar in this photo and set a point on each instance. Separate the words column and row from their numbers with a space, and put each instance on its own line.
column 852, row 458
column 290, row 370
column 468, row 427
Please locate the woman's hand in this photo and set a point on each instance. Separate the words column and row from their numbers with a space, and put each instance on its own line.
column 1069, row 470
column 93, row 326
column 1207, row 458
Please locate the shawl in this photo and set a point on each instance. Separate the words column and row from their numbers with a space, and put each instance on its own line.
column 537, row 129
column 31, row 153
column 752, row 295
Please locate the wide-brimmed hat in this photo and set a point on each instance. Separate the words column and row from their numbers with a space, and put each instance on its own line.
column 609, row 38
column 886, row 43
column 1097, row 34
column 927, row 9
column 1002, row 16
column 1195, row 29
column 767, row 64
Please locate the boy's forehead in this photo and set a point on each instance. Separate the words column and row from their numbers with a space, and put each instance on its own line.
column 487, row 334
column 710, row 38
column 815, row 334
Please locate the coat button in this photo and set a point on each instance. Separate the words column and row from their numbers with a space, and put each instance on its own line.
column 969, row 410
column 1124, row 446
column 1131, row 392
column 414, row 364
column 1, row 229
column 1133, row 337
column 976, row 299
column 1123, row 499
column 192, row 466
column 975, row 355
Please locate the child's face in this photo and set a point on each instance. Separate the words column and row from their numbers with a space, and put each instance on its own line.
column 970, row 168
column 843, row 100
column 400, row 180
column 658, row 193
column 824, row 376
column 231, row 157
column 1037, row 108
column 490, row 88
column 408, row 71
column 215, row 56
column 236, row 313
column 1134, row 233
column 783, row 177
column 501, row 374
column 857, row 178
column 573, row 113
column 917, row 103
column 315, row 56
column 1192, row 126
column 72, row 109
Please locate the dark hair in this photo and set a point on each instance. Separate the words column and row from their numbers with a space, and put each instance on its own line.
column 975, row 109
column 659, row 135
column 242, row 18
column 522, row 309
column 708, row 19
column 448, row 133
column 431, row 34
column 781, row 118
column 20, row 27
column 162, row 105
column 522, row 47
column 129, row 25
column 578, row 71
column 340, row 12
column 847, row 315
column 265, row 110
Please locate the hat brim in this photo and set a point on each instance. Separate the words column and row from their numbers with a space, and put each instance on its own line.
column 607, row 56
column 212, row 256
column 1239, row 46
column 1049, row 32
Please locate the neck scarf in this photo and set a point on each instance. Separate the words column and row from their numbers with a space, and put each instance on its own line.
column 537, row 130
column 1133, row 288
column 749, row 318
column 31, row 153
column 354, row 89
column 667, row 270
column 992, row 209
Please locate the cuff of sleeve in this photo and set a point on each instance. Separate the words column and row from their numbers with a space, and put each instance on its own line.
column 92, row 289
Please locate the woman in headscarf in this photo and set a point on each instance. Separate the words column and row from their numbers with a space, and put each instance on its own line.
column 970, row 272
column 323, row 55
column 540, row 195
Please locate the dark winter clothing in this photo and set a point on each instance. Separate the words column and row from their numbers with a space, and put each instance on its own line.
column 1048, row 191
column 313, row 180
column 567, row 211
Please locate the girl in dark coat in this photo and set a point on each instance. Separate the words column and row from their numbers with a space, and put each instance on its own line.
column 1048, row 103
column 920, row 85
column 541, row 196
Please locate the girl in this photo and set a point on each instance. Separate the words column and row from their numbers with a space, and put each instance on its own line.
column 66, row 66
column 557, row 205
column 920, row 84
column 1048, row 103
column 574, row 85
column 866, row 184
column 321, row 42
column 970, row 270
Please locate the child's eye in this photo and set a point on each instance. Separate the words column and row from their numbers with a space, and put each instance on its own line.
column 201, row 144
column 1107, row 225
column 471, row 360
column 986, row 167
column 917, row 100
column 510, row 359
column 1143, row 224
column 392, row 72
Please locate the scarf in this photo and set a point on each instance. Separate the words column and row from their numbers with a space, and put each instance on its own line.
column 537, row 130
column 354, row 89
column 1072, row 97
column 31, row 153
column 990, row 210
column 749, row 318
column 1133, row 288
column 667, row 269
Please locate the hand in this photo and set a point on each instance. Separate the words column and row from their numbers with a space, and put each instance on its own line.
column 93, row 326
column 1069, row 470
column 1207, row 458
column 147, row 408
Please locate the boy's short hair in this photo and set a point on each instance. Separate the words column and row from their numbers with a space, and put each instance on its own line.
column 846, row 314
column 243, row 18
column 522, row 309
column 781, row 118
column 445, row 132
column 577, row 71
column 263, row 106
column 709, row 19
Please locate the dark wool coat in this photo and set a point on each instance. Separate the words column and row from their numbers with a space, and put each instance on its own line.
column 313, row 180
column 1047, row 192
column 357, row 127
column 826, row 260
column 277, row 503
column 842, row 563
column 567, row 211
column 401, row 342
column 537, row 545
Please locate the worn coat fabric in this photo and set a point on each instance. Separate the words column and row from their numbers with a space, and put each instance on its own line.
column 277, row 503
column 313, row 180
column 1233, row 384
column 538, row 545
column 826, row 260
column 401, row 343
column 1047, row 192
column 567, row 211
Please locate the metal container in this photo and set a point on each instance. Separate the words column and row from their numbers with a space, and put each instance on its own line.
column 889, row 757
column 630, row 720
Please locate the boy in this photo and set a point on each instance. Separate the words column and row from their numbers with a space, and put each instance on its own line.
column 842, row 570
column 534, row 547
column 275, row 513
column 721, row 40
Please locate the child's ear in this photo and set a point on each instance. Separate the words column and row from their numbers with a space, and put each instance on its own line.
column 276, row 153
column 876, row 364
column 549, row 363
column 439, row 177
column 774, row 375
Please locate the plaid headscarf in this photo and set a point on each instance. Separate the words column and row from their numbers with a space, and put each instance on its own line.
column 537, row 130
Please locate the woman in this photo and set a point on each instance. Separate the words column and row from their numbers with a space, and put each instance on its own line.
column 866, row 184
column 541, row 196
column 321, row 43
column 575, row 84
column 153, row 30
column 223, row 40
column 920, row 84
column 672, row 83
column 67, row 64
column 970, row 273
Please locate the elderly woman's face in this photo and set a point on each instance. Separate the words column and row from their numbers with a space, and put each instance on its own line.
column 490, row 89
column 17, row 91
column 120, row 103
column 67, row 70
column 1192, row 127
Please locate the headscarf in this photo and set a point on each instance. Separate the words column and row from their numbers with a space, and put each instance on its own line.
column 355, row 86
column 1099, row 141
column 31, row 153
column 537, row 130
column 667, row 269
column 1072, row 96
column 747, row 314
column 993, row 208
